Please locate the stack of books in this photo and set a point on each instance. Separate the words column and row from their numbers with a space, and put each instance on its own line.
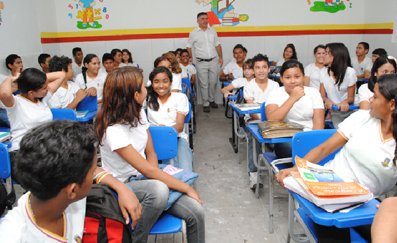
column 326, row 187
column 4, row 136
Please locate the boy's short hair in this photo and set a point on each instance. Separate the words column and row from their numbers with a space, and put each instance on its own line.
column 380, row 52
column 365, row 44
column 183, row 51
column 42, row 58
column 11, row 59
column 259, row 58
column 115, row 51
column 58, row 63
column 107, row 56
column 75, row 50
column 201, row 13
column 178, row 49
column 239, row 46
column 55, row 155
column 248, row 63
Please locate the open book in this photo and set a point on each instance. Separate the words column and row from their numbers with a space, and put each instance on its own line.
column 247, row 107
column 278, row 129
column 80, row 114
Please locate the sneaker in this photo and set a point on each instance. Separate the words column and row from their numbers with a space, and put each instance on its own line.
column 253, row 180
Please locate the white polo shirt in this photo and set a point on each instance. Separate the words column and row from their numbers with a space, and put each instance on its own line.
column 302, row 111
column 19, row 224
column 63, row 97
column 119, row 136
column 233, row 68
column 366, row 157
column 76, row 69
column 25, row 115
column 167, row 113
column 240, row 82
column 97, row 83
column 204, row 42
column 189, row 69
column 335, row 93
column 361, row 67
column 314, row 73
column 364, row 93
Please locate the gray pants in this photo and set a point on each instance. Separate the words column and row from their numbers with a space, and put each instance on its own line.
column 207, row 73
column 339, row 116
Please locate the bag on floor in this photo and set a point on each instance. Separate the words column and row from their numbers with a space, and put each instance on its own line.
column 104, row 221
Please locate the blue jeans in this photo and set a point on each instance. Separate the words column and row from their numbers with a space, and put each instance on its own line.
column 283, row 150
column 184, row 157
column 251, row 164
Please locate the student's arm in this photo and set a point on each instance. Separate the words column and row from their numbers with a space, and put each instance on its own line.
column 219, row 51
column 318, row 119
column 253, row 116
column 344, row 105
column 327, row 102
column 6, row 89
column 55, row 80
column 80, row 95
column 128, row 202
column 132, row 157
column 361, row 76
column 92, row 91
column 364, row 105
column 190, row 54
column 151, row 155
column 274, row 112
column 385, row 221
column 193, row 80
column 306, row 81
column 223, row 76
column 367, row 74
column 226, row 91
column 180, row 122
column 315, row 155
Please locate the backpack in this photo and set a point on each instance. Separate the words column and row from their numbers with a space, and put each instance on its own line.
column 103, row 219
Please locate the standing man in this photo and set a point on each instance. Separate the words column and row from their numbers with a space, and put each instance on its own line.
column 206, row 47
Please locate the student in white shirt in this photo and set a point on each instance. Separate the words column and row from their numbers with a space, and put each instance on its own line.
column 368, row 155
column 234, row 69
column 378, row 52
column 118, row 58
column 294, row 103
column 187, row 68
column 127, row 149
column 91, row 79
column 107, row 62
column 176, row 71
column 69, row 95
column 361, row 63
column 127, row 58
column 240, row 82
column 164, row 61
column 313, row 70
column 383, row 65
column 165, row 108
column 43, row 60
column 288, row 53
column 257, row 91
column 77, row 64
column 53, row 209
column 338, row 82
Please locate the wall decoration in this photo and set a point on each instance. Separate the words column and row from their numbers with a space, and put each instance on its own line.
column 222, row 13
column 88, row 13
column 1, row 8
column 330, row 6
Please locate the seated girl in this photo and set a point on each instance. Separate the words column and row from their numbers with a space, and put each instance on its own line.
column 338, row 82
column 288, row 53
column 368, row 141
column 166, row 108
column 127, row 59
column 383, row 65
column 176, row 72
column 240, row 82
column 127, row 149
column 294, row 103
column 312, row 71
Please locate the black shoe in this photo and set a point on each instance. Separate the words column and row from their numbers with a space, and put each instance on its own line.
column 206, row 109
column 213, row 105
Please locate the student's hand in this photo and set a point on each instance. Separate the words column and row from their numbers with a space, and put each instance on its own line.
column 130, row 206
column 81, row 94
column 161, row 125
column 328, row 104
column 191, row 60
column 231, row 77
column 92, row 91
column 220, row 61
column 194, row 194
column 297, row 93
column 226, row 95
column 283, row 174
column 343, row 106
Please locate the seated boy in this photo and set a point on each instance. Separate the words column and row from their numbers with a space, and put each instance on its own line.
column 56, row 163
column 77, row 64
column 187, row 67
column 107, row 62
column 234, row 69
column 362, row 64
column 44, row 58
column 378, row 52
column 69, row 95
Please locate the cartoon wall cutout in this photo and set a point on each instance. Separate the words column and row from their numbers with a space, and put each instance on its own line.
column 1, row 8
column 88, row 13
column 222, row 13
column 330, row 6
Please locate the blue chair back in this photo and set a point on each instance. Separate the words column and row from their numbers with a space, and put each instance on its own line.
column 165, row 142
column 189, row 115
column 89, row 103
column 5, row 164
column 63, row 114
column 263, row 113
column 303, row 142
column 186, row 81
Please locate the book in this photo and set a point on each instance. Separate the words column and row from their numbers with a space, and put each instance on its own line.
column 80, row 114
column 4, row 136
column 278, row 129
column 247, row 107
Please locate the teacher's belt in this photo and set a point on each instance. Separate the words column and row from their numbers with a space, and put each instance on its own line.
column 205, row 60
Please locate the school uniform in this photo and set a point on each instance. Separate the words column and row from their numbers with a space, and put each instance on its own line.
column 360, row 68
column 19, row 224
column 189, row 69
column 25, row 115
column 364, row 93
column 240, row 82
column 313, row 72
column 280, row 62
column 76, row 69
column 63, row 97
column 97, row 83
column 233, row 68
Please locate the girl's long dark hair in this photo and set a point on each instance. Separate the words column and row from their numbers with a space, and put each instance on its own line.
column 152, row 96
column 340, row 63
column 87, row 59
column 295, row 55
column 129, row 54
column 380, row 61
column 388, row 88
column 119, row 105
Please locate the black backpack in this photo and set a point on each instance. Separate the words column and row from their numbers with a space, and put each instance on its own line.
column 103, row 220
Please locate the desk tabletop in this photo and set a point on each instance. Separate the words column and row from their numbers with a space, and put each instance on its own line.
column 240, row 112
column 253, row 128
column 351, row 107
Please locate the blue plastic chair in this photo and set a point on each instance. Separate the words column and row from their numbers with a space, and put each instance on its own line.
column 187, row 82
column 5, row 168
column 189, row 126
column 89, row 103
column 63, row 114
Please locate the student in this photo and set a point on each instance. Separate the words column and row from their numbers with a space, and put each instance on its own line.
column 234, row 69
column 43, row 59
column 382, row 66
column 117, row 58
column 289, row 53
column 176, row 79
column 165, row 108
column 57, row 163
column 91, row 79
column 127, row 149
column 77, row 65
column 68, row 95
column 313, row 70
column 187, row 67
column 176, row 72
column 178, row 54
column 294, row 103
column 338, row 82
column 240, row 82
column 377, row 53
column 368, row 141
column 14, row 64
column 257, row 91
column 107, row 62
column 362, row 64
column 127, row 58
